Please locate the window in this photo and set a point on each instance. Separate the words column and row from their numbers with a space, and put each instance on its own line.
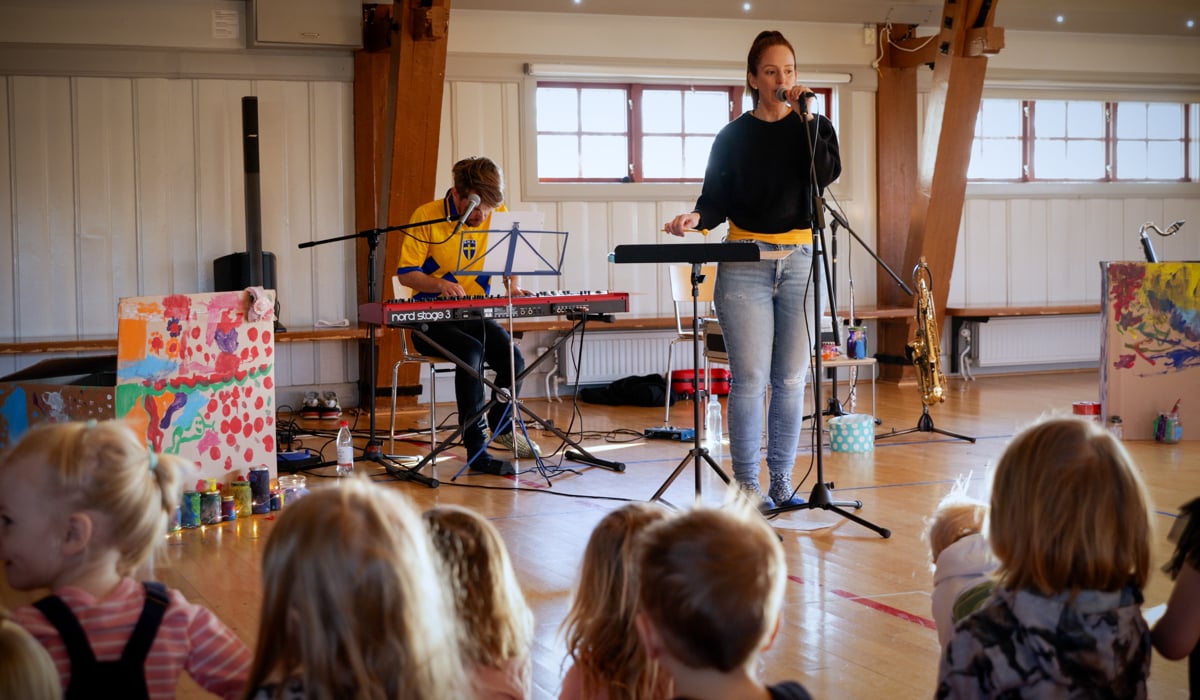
column 593, row 132
column 1084, row 140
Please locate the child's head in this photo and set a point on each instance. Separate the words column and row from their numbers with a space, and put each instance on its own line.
column 26, row 670
column 600, row 632
column 710, row 587
column 1069, row 511
column 75, row 491
column 956, row 517
column 497, row 624
column 353, row 600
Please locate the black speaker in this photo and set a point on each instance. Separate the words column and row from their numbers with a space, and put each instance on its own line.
column 232, row 272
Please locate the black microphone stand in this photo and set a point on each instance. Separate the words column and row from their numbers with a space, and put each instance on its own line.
column 822, row 493
column 373, row 450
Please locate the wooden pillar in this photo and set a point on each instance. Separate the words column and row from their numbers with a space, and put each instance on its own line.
column 923, row 220
column 398, row 84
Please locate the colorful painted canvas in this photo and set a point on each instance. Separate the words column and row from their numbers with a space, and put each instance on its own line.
column 195, row 372
column 1150, row 357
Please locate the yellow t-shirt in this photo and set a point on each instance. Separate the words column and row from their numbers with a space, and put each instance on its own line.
column 432, row 250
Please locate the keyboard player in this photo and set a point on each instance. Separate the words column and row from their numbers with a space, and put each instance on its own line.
column 429, row 255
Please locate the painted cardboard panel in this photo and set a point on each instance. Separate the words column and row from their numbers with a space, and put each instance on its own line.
column 195, row 374
column 44, row 393
column 1150, row 352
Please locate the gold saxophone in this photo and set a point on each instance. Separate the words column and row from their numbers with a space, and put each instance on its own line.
column 925, row 349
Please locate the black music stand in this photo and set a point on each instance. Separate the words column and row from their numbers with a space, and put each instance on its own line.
column 695, row 254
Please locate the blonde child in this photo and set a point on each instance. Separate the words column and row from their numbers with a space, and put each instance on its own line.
column 26, row 670
column 1069, row 523
column 710, row 587
column 353, row 603
column 83, row 506
column 609, row 661
column 962, row 560
column 495, row 621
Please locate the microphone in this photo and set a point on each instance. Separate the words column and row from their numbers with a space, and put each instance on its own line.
column 782, row 95
column 837, row 217
column 472, row 202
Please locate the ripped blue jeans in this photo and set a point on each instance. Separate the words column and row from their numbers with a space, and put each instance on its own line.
column 767, row 320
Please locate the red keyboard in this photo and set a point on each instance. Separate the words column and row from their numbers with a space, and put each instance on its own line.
column 398, row 312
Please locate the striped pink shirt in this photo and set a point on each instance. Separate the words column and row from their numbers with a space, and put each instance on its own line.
column 191, row 639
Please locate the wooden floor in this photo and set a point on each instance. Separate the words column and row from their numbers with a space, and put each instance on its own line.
column 857, row 620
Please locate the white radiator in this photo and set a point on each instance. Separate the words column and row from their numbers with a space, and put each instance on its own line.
column 610, row 355
column 1046, row 340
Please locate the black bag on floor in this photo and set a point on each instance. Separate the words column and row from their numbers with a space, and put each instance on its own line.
column 644, row 390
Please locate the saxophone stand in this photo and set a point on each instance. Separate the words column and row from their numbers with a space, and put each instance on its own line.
column 373, row 450
column 923, row 347
column 695, row 254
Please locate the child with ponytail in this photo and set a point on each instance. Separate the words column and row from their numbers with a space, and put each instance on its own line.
column 82, row 508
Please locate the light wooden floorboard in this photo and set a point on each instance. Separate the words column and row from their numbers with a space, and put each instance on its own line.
column 856, row 618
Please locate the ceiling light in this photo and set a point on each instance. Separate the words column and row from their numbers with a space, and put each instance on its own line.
column 1191, row 23
column 745, row 7
column 1059, row 19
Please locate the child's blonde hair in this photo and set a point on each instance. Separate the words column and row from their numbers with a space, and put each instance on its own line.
column 600, row 631
column 26, row 669
column 106, row 468
column 496, row 622
column 711, row 583
column 353, row 600
column 1069, row 511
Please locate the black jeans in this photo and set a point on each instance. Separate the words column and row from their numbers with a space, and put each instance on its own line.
column 476, row 342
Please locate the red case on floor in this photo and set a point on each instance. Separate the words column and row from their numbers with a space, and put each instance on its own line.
column 681, row 381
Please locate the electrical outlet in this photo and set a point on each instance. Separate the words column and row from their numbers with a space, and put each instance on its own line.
column 868, row 35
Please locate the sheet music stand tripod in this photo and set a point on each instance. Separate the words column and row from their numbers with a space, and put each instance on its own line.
column 695, row 254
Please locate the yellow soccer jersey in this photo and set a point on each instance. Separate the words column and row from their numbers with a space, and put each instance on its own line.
column 430, row 249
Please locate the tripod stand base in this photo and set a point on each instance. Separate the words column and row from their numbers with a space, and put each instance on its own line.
column 822, row 497
column 925, row 425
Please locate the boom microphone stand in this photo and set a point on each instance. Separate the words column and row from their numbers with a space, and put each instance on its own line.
column 822, row 493
column 373, row 450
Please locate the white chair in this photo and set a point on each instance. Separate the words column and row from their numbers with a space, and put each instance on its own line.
column 408, row 353
column 681, row 296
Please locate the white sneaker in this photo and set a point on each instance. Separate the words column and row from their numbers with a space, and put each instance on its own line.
column 526, row 448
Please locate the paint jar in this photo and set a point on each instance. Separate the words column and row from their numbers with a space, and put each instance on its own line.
column 260, row 490
column 189, row 516
column 241, row 498
column 210, row 507
column 1167, row 428
column 856, row 343
column 293, row 488
column 177, row 519
column 1087, row 409
column 829, row 350
column 228, row 508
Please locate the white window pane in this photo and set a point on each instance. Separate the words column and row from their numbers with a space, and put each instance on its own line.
column 1131, row 120
column 662, row 157
column 1131, row 160
column 695, row 155
column 1165, row 121
column 705, row 112
column 1085, row 120
column 995, row 160
column 605, row 157
column 558, row 156
column 1050, row 119
column 1085, row 160
column 1049, row 159
column 999, row 118
column 603, row 111
column 1166, row 160
column 557, row 109
column 662, row 112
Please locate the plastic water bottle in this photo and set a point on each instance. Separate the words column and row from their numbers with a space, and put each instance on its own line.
column 345, row 450
column 712, row 428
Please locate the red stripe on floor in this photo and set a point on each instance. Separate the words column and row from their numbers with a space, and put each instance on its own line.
column 876, row 605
